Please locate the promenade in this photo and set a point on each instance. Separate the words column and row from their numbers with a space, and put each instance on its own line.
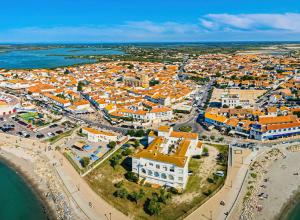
column 212, row 209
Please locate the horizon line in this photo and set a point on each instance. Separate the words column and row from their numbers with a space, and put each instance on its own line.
column 156, row 42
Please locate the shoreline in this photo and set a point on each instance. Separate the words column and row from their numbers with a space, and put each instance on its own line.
column 32, row 184
column 265, row 195
column 289, row 206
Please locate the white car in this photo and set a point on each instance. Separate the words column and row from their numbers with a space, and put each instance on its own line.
column 50, row 134
column 219, row 173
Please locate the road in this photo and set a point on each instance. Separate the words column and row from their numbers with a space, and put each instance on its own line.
column 264, row 100
column 192, row 121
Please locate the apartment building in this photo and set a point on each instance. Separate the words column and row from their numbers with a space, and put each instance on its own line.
column 230, row 100
column 95, row 135
column 269, row 128
column 165, row 161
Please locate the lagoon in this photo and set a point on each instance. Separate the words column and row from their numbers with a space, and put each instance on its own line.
column 49, row 58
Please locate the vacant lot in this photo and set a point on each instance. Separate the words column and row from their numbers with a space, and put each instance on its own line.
column 250, row 95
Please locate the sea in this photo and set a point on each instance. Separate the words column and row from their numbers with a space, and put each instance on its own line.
column 295, row 213
column 17, row 199
column 32, row 58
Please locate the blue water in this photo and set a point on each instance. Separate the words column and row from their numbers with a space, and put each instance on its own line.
column 295, row 213
column 17, row 200
column 31, row 59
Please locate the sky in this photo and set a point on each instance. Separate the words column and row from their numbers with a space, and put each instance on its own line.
column 101, row 21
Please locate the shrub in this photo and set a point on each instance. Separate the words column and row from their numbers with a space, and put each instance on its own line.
column 205, row 150
column 112, row 144
column 174, row 191
column 127, row 152
column 115, row 160
column 132, row 177
column 185, row 128
column 253, row 175
column 121, row 193
column 119, row 184
column 197, row 156
column 152, row 206
column 163, row 196
column 140, row 133
column 85, row 161
column 208, row 192
column 210, row 180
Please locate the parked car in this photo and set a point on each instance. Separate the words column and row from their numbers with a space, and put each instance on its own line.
column 53, row 126
column 219, row 173
column 59, row 132
column 50, row 134
column 40, row 136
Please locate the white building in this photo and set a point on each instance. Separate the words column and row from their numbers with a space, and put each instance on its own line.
column 231, row 100
column 165, row 161
column 95, row 135
column 269, row 127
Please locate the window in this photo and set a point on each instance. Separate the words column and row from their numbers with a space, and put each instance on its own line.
column 151, row 164
column 171, row 169
column 165, row 168
column 171, row 177
column 180, row 179
column 150, row 173
column 143, row 170
column 156, row 174
column 164, row 176
column 157, row 166
column 180, row 171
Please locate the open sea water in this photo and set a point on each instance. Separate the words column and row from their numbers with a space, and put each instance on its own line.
column 17, row 199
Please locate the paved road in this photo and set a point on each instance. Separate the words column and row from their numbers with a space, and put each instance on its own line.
column 192, row 121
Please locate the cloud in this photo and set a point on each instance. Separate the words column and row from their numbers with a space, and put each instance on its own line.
column 210, row 27
column 127, row 32
column 251, row 22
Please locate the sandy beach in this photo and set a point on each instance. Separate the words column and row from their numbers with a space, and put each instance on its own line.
column 266, row 194
column 27, row 157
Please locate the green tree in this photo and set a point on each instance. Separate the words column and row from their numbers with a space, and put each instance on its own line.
column 132, row 177
column 127, row 152
column 136, row 143
column 115, row 160
column 112, row 144
column 163, row 196
column 119, row 184
column 79, row 86
column 153, row 206
column 136, row 196
column 85, row 161
column 121, row 193
column 131, row 133
column 221, row 139
column 140, row 133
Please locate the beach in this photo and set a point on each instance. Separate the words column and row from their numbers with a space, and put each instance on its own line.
column 26, row 156
column 271, row 186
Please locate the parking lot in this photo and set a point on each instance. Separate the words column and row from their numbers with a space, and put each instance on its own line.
column 14, row 126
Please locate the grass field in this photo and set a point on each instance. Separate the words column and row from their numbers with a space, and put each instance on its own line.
column 28, row 116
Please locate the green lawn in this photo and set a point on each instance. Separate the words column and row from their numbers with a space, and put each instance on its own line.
column 28, row 116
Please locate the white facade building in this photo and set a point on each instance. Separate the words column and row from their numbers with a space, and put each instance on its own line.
column 165, row 161
column 95, row 135
column 231, row 100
